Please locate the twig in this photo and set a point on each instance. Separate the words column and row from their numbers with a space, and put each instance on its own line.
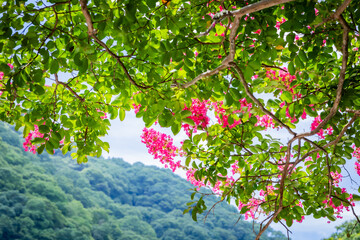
column 92, row 33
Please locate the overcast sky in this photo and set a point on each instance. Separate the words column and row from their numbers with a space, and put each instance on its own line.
column 125, row 143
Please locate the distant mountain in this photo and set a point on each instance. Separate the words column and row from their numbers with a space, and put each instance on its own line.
column 49, row 197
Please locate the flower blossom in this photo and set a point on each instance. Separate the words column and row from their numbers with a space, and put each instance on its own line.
column 161, row 147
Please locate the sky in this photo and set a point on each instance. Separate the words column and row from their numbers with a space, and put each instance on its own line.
column 125, row 143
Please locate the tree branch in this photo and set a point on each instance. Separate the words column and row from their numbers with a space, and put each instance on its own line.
column 336, row 14
column 92, row 33
column 247, row 90
column 235, row 25
column 334, row 108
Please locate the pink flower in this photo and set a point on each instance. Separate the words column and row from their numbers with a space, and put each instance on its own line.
column 196, row 53
column 136, row 107
column 278, row 23
column 316, row 12
column 330, row 130
column 258, row 31
column 303, row 116
column 297, row 37
column 254, row 77
column 102, row 116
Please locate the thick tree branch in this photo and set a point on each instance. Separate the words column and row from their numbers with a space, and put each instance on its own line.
column 334, row 108
column 255, row 7
column 235, row 25
column 336, row 14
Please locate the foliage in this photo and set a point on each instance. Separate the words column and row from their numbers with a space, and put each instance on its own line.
column 68, row 66
column 51, row 197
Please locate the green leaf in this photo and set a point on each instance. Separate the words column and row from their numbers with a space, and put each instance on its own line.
column 49, row 147
column 187, row 161
column 289, row 221
column 121, row 114
column 175, row 128
column 291, row 68
column 299, row 63
column 302, row 56
column 189, row 121
column 286, row 96
column 40, row 149
column 5, row 68
column 54, row 67
column 44, row 129
column 356, row 197
column 193, row 214
column 39, row 90
column 185, row 114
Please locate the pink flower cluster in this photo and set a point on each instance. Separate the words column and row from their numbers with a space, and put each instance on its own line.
column 320, row 133
column 223, row 118
column 356, row 154
column 161, row 147
column 337, row 177
column 357, row 168
column 252, row 206
column 339, row 209
column 27, row 145
column 191, row 178
column 302, row 217
column 103, row 116
column 198, row 115
column 278, row 23
column 269, row 191
column 265, row 121
column 235, row 167
column 136, row 108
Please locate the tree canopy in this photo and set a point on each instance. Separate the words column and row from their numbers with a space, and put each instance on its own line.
column 70, row 66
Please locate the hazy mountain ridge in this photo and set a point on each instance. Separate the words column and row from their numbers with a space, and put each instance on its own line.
column 51, row 197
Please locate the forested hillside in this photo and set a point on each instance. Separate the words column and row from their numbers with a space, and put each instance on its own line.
column 348, row 230
column 52, row 197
